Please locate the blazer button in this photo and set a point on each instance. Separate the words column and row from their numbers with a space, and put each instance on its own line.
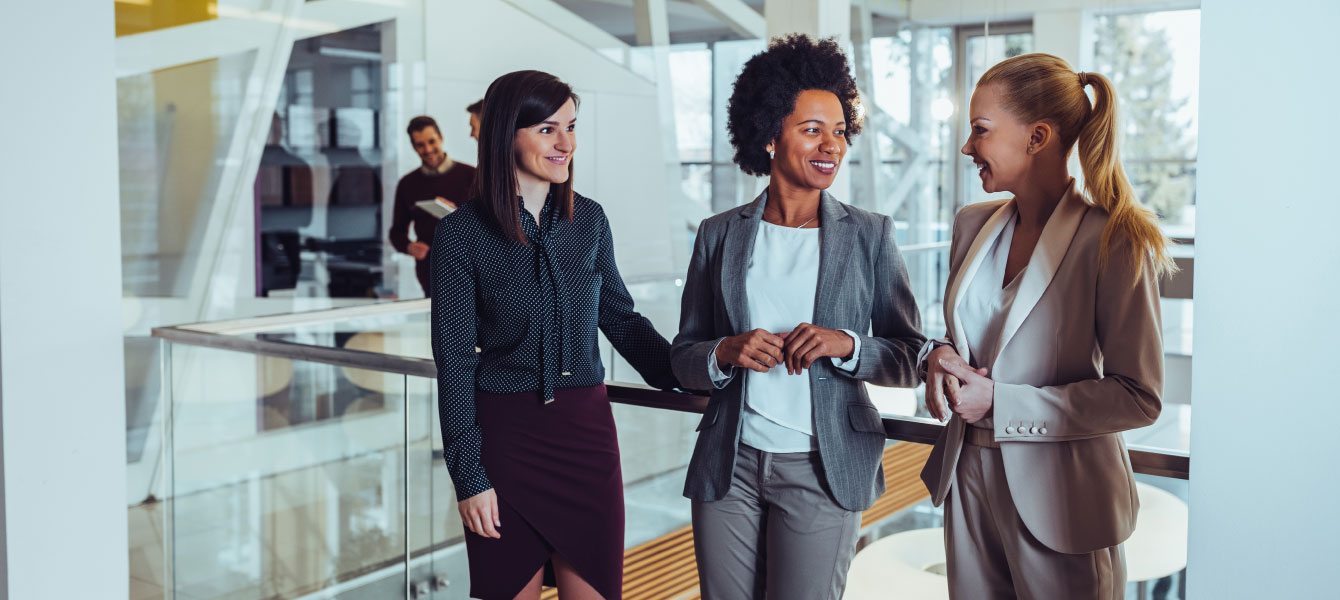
column 1033, row 430
column 1009, row 430
column 1043, row 431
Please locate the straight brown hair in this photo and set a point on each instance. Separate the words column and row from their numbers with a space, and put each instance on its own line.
column 513, row 102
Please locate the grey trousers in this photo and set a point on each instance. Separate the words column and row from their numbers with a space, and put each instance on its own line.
column 776, row 535
column 991, row 553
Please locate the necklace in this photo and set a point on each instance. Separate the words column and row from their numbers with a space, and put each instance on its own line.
column 802, row 225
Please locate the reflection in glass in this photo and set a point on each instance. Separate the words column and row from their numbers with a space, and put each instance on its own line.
column 175, row 127
column 319, row 189
column 274, row 511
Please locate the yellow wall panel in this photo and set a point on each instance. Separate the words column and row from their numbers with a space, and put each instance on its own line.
column 139, row 16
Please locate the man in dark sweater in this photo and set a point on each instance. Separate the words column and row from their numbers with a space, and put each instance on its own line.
column 440, row 180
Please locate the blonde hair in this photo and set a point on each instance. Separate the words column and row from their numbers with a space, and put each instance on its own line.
column 1041, row 87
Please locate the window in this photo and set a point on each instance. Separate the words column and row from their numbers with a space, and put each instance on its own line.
column 1153, row 61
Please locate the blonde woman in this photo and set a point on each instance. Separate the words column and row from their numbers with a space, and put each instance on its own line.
column 1054, row 345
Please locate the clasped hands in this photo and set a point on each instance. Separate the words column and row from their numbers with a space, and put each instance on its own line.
column 761, row 350
column 951, row 382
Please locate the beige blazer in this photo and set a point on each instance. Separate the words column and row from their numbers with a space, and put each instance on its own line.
column 1081, row 361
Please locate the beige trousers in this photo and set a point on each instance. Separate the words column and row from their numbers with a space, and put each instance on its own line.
column 992, row 555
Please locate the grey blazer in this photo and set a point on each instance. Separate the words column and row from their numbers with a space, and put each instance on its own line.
column 863, row 287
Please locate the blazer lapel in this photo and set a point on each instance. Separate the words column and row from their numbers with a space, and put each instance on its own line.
column 1051, row 248
column 739, row 251
column 972, row 261
column 836, row 240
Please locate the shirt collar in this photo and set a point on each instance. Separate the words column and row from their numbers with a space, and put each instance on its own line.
column 447, row 163
column 546, row 213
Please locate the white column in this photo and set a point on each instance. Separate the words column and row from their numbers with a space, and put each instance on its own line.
column 652, row 22
column 1065, row 33
column 1264, row 493
column 62, row 397
column 820, row 18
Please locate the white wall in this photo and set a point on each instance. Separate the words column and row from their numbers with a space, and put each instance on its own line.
column 619, row 160
column 61, row 391
column 1264, row 492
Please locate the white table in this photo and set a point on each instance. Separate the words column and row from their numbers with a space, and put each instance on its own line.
column 1157, row 549
column 897, row 567
column 910, row 564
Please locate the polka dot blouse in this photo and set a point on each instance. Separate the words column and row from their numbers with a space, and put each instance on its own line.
column 532, row 311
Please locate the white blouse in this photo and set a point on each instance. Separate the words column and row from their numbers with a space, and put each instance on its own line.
column 986, row 303
column 781, row 282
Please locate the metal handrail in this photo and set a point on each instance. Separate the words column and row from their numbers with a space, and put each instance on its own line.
column 1158, row 462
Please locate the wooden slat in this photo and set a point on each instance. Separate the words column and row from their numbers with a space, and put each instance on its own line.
column 665, row 568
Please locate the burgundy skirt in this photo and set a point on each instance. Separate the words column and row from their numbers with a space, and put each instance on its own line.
column 555, row 468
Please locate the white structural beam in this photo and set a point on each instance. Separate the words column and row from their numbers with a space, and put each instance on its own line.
column 572, row 24
column 62, row 391
column 1267, row 263
column 737, row 15
column 238, row 30
column 1068, row 34
column 819, row 18
column 976, row 11
column 234, row 200
column 652, row 22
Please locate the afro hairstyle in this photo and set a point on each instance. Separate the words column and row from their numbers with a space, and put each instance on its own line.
column 766, row 90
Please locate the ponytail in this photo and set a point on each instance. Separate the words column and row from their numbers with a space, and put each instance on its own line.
column 1041, row 87
column 1108, row 189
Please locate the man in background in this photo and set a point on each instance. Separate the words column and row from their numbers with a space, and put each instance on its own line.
column 476, row 111
column 427, row 194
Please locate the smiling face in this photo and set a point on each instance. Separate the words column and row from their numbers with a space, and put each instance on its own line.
column 544, row 150
column 998, row 143
column 813, row 140
column 428, row 145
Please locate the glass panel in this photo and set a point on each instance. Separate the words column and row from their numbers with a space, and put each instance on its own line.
column 175, row 127
column 262, row 508
column 914, row 89
column 691, row 80
column 139, row 16
column 399, row 334
column 1153, row 60
column 730, row 186
column 439, row 569
column 323, row 173
column 980, row 54
column 655, row 446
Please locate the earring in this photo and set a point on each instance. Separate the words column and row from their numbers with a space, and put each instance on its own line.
column 1030, row 149
column 771, row 154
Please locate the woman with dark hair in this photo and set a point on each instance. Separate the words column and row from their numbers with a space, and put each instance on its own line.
column 791, row 304
column 522, row 277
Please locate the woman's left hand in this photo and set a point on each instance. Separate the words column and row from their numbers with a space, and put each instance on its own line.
column 975, row 396
column 808, row 343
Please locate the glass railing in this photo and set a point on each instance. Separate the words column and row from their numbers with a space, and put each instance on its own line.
column 303, row 460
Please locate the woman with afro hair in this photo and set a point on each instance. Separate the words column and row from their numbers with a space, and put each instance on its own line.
column 791, row 304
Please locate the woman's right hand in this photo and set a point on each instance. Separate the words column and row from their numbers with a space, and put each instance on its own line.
column 941, row 387
column 758, row 350
column 480, row 514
